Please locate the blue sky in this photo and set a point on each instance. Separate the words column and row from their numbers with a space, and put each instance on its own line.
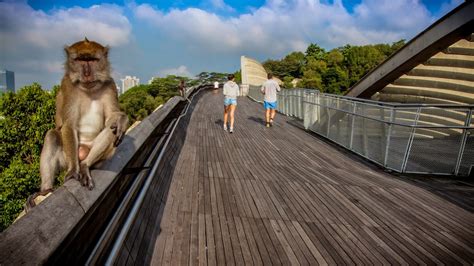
column 186, row 37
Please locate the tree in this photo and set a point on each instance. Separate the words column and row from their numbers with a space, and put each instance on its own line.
column 287, row 82
column 210, row 77
column 316, row 52
column 292, row 64
column 238, row 76
column 25, row 118
column 137, row 103
column 359, row 60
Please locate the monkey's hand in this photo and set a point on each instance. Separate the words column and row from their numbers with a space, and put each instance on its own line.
column 119, row 126
column 86, row 178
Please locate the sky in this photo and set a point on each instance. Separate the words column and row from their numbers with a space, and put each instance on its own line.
column 186, row 37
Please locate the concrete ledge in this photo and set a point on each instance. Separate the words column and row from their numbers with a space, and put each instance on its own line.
column 34, row 238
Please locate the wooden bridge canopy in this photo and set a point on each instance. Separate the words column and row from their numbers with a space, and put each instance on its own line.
column 282, row 196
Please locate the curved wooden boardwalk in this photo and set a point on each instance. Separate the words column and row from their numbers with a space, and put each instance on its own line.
column 282, row 196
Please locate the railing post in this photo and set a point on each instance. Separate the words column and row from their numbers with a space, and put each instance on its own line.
column 463, row 142
column 387, row 143
column 410, row 141
column 352, row 124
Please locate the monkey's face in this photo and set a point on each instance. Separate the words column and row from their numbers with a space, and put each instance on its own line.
column 87, row 64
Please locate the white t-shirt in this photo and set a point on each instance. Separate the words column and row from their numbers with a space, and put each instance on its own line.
column 270, row 88
column 216, row 85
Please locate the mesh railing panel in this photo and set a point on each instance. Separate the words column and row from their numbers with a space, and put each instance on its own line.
column 467, row 161
column 255, row 94
column 434, row 153
column 405, row 138
column 397, row 147
column 340, row 127
column 369, row 138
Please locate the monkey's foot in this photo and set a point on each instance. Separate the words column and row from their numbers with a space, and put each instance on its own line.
column 86, row 178
column 72, row 175
column 36, row 199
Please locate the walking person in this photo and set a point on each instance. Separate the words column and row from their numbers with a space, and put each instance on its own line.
column 231, row 91
column 216, row 86
column 269, row 89
column 182, row 89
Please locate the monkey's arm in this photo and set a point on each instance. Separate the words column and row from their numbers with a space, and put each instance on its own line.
column 70, row 144
column 67, row 119
column 114, row 118
column 118, row 122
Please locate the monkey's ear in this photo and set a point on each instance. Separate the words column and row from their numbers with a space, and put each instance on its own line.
column 66, row 49
column 106, row 51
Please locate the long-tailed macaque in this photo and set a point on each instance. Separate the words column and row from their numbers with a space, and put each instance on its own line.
column 89, row 123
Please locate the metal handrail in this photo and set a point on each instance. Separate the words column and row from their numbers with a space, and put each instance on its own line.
column 391, row 122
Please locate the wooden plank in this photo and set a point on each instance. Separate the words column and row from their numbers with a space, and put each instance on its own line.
column 311, row 246
column 264, row 254
column 202, row 247
column 211, row 245
column 236, row 245
column 254, row 249
column 292, row 257
column 276, row 243
column 219, row 242
column 228, row 251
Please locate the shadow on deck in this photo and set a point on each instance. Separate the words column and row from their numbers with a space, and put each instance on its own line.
column 282, row 196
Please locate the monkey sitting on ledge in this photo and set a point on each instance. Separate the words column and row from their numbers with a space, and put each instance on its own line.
column 89, row 123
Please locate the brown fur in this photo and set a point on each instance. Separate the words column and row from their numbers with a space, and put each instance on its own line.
column 89, row 123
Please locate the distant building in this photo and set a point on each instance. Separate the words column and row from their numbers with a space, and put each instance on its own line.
column 129, row 82
column 7, row 80
column 151, row 80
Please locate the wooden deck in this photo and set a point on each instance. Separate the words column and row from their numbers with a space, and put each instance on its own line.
column 282, row 196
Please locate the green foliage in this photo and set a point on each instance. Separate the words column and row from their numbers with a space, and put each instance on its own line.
column 25, row 118
column 210, row 77
column 316, row 52
column 290, row 65
column 140, row 101
column 334, row 71
column 238, row 77
column 287, row 82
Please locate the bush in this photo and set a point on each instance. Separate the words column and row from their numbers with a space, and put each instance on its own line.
column 25, row 118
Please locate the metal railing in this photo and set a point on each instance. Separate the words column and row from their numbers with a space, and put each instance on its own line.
column 406, row 138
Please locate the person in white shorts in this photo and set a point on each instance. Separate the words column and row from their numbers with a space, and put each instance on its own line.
column 269, row 89
column 231, row 91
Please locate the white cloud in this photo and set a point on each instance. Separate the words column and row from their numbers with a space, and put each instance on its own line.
column 282, row 26
column 179, row 71
column 220, row 5
column 33, row 40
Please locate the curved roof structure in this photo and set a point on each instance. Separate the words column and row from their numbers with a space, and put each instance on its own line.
column 253, row 72
column 437, row 66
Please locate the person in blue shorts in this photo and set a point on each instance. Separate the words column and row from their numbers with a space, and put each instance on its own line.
column 231, row 91
column 269, row 89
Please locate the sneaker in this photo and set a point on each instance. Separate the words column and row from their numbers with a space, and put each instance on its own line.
column 225, row 127
column 271, row 122
column 267, row 125
column 231, row 130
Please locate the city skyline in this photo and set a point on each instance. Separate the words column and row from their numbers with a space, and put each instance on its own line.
column 7, row 80
column 127, row 83
column 187, row 37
